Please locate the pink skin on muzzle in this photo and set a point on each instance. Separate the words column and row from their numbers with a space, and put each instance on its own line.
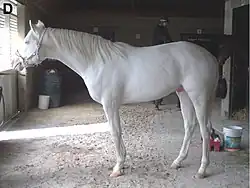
column 17, row 63
column 180, row 89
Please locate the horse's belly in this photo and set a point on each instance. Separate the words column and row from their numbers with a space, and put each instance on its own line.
column 144, row 90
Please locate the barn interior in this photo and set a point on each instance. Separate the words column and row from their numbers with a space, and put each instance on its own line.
column 132, row 18
column 68, row 144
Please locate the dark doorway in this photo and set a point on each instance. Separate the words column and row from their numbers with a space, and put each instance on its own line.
column 72, row 90
column 239, row 90
column 107, row 35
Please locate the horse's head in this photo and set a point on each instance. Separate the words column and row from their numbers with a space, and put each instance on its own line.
column 28, row 54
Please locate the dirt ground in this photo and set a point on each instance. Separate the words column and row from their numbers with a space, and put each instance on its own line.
column 152, row 138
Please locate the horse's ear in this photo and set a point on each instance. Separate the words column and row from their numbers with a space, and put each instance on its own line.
column 40, row 24
column 31, row 26
column 36, row 28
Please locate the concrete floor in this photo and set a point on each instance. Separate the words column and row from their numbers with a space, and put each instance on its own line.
column 84, row 160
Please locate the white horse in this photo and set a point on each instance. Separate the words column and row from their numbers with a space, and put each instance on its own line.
column 116, row 73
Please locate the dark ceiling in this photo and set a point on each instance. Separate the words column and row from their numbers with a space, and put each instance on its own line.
column 192, row 8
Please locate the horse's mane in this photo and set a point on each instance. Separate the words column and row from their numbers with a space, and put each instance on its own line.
column 91, row 47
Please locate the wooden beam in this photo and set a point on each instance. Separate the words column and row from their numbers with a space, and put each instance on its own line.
column 176, row 8
column 21, row 2
column 157, row 12
column 31, row 5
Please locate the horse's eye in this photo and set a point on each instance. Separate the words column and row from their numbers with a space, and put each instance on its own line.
column 26, row 42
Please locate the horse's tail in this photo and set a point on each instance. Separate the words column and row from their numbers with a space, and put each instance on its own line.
column 221, row 88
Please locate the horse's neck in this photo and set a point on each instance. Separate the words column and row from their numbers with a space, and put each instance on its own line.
column 59, row 52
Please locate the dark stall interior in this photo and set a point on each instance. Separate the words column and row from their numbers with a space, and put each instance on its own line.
column 239, row 98
column 72, row 87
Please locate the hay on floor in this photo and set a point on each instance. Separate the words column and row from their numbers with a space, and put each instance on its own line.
column 241, row 115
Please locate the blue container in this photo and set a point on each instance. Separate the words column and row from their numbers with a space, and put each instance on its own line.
column 232, row 138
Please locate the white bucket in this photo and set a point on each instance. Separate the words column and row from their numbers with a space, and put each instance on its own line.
column 232, row 137
column 43, row 102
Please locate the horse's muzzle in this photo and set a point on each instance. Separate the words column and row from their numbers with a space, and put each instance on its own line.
column 16, row 63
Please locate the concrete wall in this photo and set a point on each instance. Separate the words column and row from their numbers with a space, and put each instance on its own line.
column 24, row 78
column 127, row 26
column 21, row 13
column 28, row 76
column 9, row 82
column 228, row 22
column 8, row 79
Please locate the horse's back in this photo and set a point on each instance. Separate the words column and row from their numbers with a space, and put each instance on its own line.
column 198, row 67
column 180, row 57
column 156, row 71
column 190, row 58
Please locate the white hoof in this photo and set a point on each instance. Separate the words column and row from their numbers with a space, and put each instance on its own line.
column 116, row 174
column 175, row 166
column 199, row 176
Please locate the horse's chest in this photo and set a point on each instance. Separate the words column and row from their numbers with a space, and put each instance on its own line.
column 94, row 85
column 94, row 91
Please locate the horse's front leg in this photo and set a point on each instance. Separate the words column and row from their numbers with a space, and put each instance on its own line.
column 111, row 110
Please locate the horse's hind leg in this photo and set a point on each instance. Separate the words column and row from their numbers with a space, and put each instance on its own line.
column 202, row 104
column 189, row 118
column 157, row 103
